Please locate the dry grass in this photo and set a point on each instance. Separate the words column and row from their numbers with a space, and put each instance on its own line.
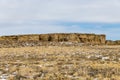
column 60, row 63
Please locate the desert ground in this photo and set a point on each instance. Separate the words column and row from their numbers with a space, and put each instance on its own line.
column 60, row 63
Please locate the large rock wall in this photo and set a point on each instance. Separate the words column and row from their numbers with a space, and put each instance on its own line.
column 58, row 37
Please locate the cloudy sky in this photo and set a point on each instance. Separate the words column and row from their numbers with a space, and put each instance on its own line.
column 55, row 16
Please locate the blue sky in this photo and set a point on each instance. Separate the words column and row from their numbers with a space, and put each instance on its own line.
column 56, row 16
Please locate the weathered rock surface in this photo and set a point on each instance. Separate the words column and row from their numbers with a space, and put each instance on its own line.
column 37, row 39
column 110, row 42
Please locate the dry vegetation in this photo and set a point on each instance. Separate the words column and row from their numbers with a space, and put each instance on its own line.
column 60, row 63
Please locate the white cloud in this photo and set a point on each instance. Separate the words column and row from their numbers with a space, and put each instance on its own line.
column 61, row 10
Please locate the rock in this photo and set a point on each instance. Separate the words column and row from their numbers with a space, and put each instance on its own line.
column 34, row 40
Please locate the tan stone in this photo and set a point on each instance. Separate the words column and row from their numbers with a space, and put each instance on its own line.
column 55, row 37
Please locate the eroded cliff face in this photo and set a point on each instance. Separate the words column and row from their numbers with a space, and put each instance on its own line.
column 74, row 37
column 57, row 37
column 110, row 42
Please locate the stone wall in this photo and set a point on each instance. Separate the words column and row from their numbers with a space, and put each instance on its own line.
column 57, row 37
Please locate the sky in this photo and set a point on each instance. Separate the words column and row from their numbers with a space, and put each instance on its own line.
column 60, row 16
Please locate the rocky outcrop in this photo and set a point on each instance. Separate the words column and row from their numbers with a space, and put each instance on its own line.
column 74, row 37
column 110, row 42
column 28, row 38
column 57, row 37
